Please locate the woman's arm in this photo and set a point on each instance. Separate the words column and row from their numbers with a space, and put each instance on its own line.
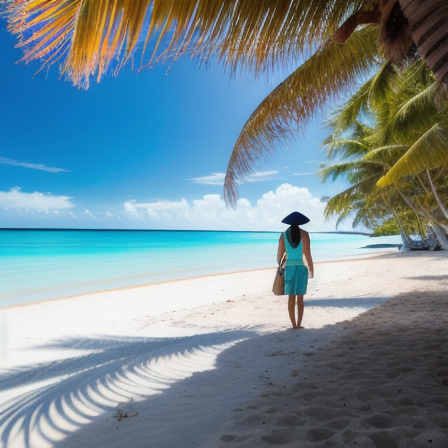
column 281, row 249
column 307, row 251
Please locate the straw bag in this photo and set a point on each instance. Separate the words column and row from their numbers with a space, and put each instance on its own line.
column 278, row 287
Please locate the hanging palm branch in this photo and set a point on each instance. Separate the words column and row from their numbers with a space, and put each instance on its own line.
column 345, row 147
column 415, row 101
column 332, row 69
column 353, row 203
column 90, row 38
column 429, row 151
column 386, row 155
column 93, row 37
column 258, row 34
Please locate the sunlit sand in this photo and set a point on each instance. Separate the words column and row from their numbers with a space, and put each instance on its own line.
column 211, row 362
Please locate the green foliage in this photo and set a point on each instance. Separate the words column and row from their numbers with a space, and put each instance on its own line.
column 332, row 69
column 389, row 227
column 392, row 139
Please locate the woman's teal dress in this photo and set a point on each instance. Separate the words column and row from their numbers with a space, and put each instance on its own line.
column 296, row 273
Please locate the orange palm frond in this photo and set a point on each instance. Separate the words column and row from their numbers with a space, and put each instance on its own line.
column 91, row 37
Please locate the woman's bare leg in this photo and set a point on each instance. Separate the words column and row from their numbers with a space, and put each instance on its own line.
column 300, row 308
column 292, row 310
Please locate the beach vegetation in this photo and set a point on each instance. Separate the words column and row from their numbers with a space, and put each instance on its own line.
column 387, row 228
column 330, row 45
column 389, row 141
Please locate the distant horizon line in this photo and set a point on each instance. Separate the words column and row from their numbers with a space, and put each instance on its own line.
column 347, row 232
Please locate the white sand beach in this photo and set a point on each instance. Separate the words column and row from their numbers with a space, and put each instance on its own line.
column 212, row 362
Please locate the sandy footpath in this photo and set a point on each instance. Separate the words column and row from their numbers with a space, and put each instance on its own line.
column 212, row 362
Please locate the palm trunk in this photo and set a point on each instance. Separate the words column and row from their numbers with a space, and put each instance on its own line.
column 408, row 243
column 417, row 215
column 441, row 235
column 433, row 240
column 428, row 22
column 434, row 191
column 437, row 230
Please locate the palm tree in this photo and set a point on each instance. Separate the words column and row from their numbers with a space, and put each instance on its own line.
column 434, row 189
column 298, row 98
column 400, row 107
column 417, row 116
column 363, row 201
column 94, row 37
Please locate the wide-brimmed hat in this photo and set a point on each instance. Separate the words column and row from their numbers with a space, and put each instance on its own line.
column 295, row 218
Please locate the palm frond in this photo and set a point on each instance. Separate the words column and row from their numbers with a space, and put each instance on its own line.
column 429, row 151
column 340, row 169
column 349, row 201
column 343, row 118
column 345, row 147
column 342, row 203
column 95, row 36
column 361, row 103
column 366, row 216
column 382, row 85
column 332, row 69
column 417, row 112
column 386, row 154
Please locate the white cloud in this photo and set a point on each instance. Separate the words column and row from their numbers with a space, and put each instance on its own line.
column 211, row 213
column 87, row 214
column 16, row 199
column 34, row 166
column 260, row 176
column 211, row 179
column 304, row 174
column 156, row 210
column 218, row 178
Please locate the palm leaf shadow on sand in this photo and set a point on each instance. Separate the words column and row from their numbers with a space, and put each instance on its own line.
column 71, row 394
column 347, row 302
column 75, row 391
column 429, row 277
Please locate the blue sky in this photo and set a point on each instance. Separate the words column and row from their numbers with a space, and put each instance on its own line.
column 144, row 150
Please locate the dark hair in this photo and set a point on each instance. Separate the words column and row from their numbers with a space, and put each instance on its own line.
column 294, row 236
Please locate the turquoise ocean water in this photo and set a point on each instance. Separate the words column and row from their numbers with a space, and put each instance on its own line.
column 46, row 264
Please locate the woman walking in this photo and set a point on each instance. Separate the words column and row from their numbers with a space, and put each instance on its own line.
column 296, row 243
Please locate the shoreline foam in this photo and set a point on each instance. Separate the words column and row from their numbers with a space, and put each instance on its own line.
column 36, row 275
column 143, row 285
